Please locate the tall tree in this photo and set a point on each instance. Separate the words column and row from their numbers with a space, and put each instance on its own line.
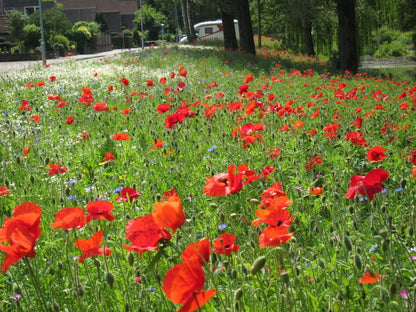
column 227, row 16
column 187, row 23
column 244, row 25
column 347, row 39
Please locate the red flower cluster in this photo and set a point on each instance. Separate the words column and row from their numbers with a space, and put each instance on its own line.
column 356, row 138
column 276, row 216
column 146, row 232
column 86, row 97
column 21, row 233
column 184, row 283
column 330, row 131
column 249, row 133
column 367, row 185
column 56, row 169
column 312, row 162
column 181, row 113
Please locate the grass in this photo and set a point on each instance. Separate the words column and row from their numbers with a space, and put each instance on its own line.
column 336, row 240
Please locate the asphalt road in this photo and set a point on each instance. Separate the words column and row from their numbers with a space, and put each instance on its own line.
column 6, row 67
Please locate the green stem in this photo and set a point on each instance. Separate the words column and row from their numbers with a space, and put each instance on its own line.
column 36, row 283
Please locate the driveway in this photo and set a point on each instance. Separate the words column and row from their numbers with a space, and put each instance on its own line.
column 6, row 67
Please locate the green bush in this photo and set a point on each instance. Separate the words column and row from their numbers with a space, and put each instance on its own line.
column 388, row 42
column 31, row 37
column 60, row 44
column 119, row 42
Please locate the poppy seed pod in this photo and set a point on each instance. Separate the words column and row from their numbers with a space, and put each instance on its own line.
column 257, row 265
column 347, row 243
column 56, row 307
column 357, row 262
column 238, row 294
column 285, row 277
column 109, row 277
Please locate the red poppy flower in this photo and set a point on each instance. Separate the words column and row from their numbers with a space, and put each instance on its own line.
column 99, row 210
column 125, row 82
column 356, row 138
column 376, row 154
column 162, row 80
column 144, row 234
column 4, row 190
column 109, row 156
column 34, row 118
column 169, row 214
column 126, row 111
column 184, row 283
column 157, row 144
column 367, row 185
column 149, row 83
column 127, row 194
column 271, row 193
column 54, row 97
column 275, row 215
column 70, row 218
column 100, row 107
column 368, row 278
column 70, row 120
column 90, row 247
column 315, row 190
column 224, row 183
column 163, row 108
column 414, row 172
column 274, row 236
column 224, row 244
column 25, row 106
column 56, row 169
column 21, row 233
column 86, row 96
column 200, row 250
column 121, row 137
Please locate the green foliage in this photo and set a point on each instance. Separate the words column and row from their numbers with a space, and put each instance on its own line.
column 101, row 20
column 386, row 42
column 121, row 42
column 17, row 21
column 55, row 21
column 31, row 36
column 152, row 22
column 59, row 43
column 85, row 35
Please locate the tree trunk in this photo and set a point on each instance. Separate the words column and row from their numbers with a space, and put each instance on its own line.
column 230, row 39
column 259, row 23
column 307, row 27
column 189, row 29
column 347, row 39
column 244, row 25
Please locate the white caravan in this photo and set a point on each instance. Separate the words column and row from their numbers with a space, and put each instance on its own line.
column 211, row 30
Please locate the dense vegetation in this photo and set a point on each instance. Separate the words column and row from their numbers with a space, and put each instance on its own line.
column 181, row 177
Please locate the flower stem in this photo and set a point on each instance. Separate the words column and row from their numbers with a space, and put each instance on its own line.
column 36, row 283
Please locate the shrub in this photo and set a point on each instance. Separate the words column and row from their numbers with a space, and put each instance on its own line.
column 60, row 44
column 31, row 37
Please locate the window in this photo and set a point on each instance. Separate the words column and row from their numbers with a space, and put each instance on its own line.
column 30, row 9
column 208, row 30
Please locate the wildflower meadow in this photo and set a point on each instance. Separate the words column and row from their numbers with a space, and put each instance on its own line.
column 197, row 179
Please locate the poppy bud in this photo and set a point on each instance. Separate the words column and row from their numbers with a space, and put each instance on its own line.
column 257, row 265
column 80, row 290
column 46, row 161
column 347, row 243
column 32, row 179
column 385, row 245
column 109, row 277
column 383, row 292
column 410, row 231
column 56, row 307
column 351, row 209
column 17, row 289
column 238, row 294
column 18, row 160
column 357, row 262
column 244, row 269
column 393, row 288
column 233, row 274
column 321, row 263
column 60, row 265
column 213, row 205
column 130, row 259
column 403, row 182
column 254, row 201
column 97, row 263
column 285, row 277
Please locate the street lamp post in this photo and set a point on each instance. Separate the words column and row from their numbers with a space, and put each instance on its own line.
column 163, row 32
column 42, row 35
column 141, row 22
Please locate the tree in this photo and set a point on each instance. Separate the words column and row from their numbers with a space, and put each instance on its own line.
column 227, row 16
column 152, row 22
column 347, row 39
column 17, row 21
column 101, row 20
column 244, row 25
column 187, row 22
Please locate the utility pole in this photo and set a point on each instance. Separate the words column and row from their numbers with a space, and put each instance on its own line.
column 141, row 22
column 42, row 35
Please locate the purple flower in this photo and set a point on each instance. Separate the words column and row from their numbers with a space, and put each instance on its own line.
column 16, row 297
column 403, row 294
